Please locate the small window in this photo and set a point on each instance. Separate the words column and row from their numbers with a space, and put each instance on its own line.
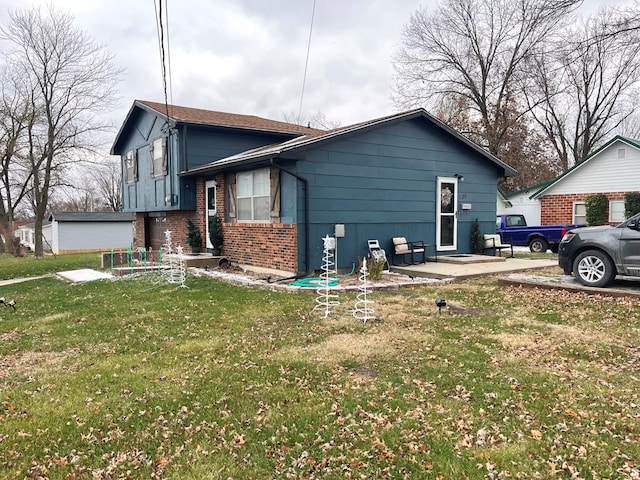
column 130, row 167
column 159, row 157
column 253, row 196
column 616, row 211
column 580, row 213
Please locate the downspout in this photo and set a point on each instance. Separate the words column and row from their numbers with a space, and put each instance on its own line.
column 307, row 253
column 185, row 160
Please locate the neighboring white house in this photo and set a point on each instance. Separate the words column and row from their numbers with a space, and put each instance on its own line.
column 502, row 203
column 612, row 170
column 522, row 203
column 27, row 235
column 73, row 232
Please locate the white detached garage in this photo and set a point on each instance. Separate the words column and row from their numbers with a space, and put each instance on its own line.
column 73, row 232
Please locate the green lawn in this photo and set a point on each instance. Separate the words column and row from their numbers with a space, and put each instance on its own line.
column 16, row 267
column 136, row 378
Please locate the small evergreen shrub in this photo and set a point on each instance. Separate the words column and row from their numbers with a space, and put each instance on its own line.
column 477, row 239
column 194, row 237
column 215, row 232
column 375, row 267
column 596, row 209
column 631, row 204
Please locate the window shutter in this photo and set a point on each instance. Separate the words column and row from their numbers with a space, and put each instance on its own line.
column 274, row 177
column 135, row 165
column 151, row 159
column 125, row 170
column 165, row 156
column 232, row 197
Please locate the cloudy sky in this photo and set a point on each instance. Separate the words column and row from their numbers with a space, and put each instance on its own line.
column 248, row 56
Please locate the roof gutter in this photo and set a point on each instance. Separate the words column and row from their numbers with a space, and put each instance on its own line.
column 307, row 253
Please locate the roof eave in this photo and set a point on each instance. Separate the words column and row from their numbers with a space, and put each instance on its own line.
column 249, row 159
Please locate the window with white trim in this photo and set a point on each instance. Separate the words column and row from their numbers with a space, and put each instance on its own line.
column 580, row 213
column 252, row 193
column 616, row 211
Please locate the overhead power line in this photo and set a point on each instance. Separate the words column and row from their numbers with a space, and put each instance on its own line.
column 306, row 63
column 164, row 50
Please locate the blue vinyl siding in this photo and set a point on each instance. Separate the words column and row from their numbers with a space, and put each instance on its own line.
column 148, row 193
column 207, row 145
column 383, row 184
column 201, row 145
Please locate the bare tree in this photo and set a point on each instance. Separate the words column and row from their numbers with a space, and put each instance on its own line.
column 15, row 116
column 318, row 120
column 630, row 126
column 474, row 50
column 583, row 87
column 107, row 181
column 71, row 80
column 524, row 147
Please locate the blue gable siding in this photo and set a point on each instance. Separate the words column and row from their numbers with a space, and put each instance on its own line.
column 188, row 147
column 382, row 184
column 149, row 193
column 207, row 145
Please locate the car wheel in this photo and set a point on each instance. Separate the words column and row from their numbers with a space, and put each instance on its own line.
column 593, row 268
column 538, row 245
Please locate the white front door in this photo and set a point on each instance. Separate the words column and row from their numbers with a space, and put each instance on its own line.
column 447, row 214
column 210, row 188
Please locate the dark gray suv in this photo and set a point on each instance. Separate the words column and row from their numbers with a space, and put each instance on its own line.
column 596, row 255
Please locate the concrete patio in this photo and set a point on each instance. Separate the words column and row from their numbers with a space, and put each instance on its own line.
column 468, row 266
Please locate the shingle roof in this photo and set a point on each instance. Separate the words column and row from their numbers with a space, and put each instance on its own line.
column 308, row 141
column 92, row 216
column 223, row 119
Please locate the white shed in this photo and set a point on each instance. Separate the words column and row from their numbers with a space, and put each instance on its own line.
column 74, row 232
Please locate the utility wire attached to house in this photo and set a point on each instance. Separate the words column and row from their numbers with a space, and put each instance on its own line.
column 306, row 63
column 164, row 51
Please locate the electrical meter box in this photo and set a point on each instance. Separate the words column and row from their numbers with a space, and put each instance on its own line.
column 339, row 230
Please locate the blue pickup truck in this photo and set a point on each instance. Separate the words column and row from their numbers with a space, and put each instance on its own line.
column 513, row 229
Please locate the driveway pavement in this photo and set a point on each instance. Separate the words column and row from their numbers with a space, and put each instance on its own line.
column 621, row 287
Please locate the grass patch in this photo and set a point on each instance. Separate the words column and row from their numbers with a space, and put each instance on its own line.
column 29, row 266
column 134, row 378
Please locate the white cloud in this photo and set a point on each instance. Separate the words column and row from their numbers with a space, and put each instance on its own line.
column 248, row 56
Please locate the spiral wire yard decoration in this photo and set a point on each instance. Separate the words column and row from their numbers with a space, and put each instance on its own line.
column 176, row 271
column 363, row 309
column 169, row 258
column 325, row 298
column 179, row 273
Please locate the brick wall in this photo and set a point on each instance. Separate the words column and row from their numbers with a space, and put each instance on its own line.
column 558, row 209
column 268, row 245
column 139, row 231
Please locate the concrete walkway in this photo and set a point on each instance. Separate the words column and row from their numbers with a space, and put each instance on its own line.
column 469, row 266
column 20, row 280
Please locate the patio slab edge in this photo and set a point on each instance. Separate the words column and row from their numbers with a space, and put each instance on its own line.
column 555, row 285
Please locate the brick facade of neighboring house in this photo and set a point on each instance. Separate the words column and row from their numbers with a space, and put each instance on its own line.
column 613, row 170
column 558, row 209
